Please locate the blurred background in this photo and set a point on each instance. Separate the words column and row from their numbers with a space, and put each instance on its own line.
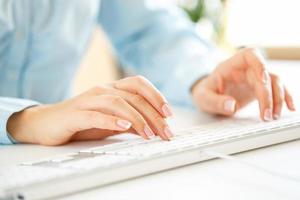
column 270, row 25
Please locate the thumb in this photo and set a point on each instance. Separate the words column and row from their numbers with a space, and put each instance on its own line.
column 212, row 102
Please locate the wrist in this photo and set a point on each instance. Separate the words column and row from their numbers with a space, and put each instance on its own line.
column 198, row 82
column 18, row 126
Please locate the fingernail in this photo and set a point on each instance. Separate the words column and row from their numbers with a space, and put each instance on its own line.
column 268, row 115
column 276, row 116
column 292, row 105
column 148, row 132
column 229, row 105
column 124, row 124
column 265, row 76
column 168, row 132
column 167, row 110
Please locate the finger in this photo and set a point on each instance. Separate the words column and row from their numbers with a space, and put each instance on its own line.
column 212, row 102
column 278, row 96
column 264, row 95
column 245, row 59
column 93, row 119
column 255, row 60
column 141, row 86
column 152, row 116
column 289, row 100
column 117, row 106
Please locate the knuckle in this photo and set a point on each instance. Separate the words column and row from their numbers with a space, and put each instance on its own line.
column 96, row 89
column 140, row 79
column 251, row 51
column 275, row 78
column 261, row 65
column 139, row 99
column 137, row 118
column 254, row 52
column 116, row 99
column 159, row 120
column 139, row 122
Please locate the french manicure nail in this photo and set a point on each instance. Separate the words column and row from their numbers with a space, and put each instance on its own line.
column 229, row 105
column 148, row 132
column 123, row 124
column 268, row 114
column 167, row 110
column 168, row 132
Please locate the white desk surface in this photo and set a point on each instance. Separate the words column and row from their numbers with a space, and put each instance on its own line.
column 216, row 179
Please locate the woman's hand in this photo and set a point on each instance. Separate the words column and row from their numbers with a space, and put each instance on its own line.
column 132, row 104
column 239, row 80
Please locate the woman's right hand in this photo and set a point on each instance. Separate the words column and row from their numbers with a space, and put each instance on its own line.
column 129, row 105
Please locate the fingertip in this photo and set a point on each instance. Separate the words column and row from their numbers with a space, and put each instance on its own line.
column 168, row 132
column 276, row 116
column 268, row 115
column 148, row 132
column 289, row 100
column 165, row 134
column 165, row 138
column 123, row 124
column 166, row 109
column 230, row 105
column 291, row 106
column 276, row 113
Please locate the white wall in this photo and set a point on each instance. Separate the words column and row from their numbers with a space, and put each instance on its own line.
column 264, row 22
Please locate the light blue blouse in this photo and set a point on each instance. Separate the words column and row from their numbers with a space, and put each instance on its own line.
column 42, row 43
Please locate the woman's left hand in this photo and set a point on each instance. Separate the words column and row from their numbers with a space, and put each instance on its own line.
column 239, row 80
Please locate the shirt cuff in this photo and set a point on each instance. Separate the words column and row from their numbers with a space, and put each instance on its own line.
column 9, row 106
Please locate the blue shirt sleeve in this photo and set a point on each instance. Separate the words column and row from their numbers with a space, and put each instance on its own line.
column 157, row 41
column 8, row 106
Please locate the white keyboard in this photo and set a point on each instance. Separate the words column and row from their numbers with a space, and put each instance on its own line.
column 123, row 160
